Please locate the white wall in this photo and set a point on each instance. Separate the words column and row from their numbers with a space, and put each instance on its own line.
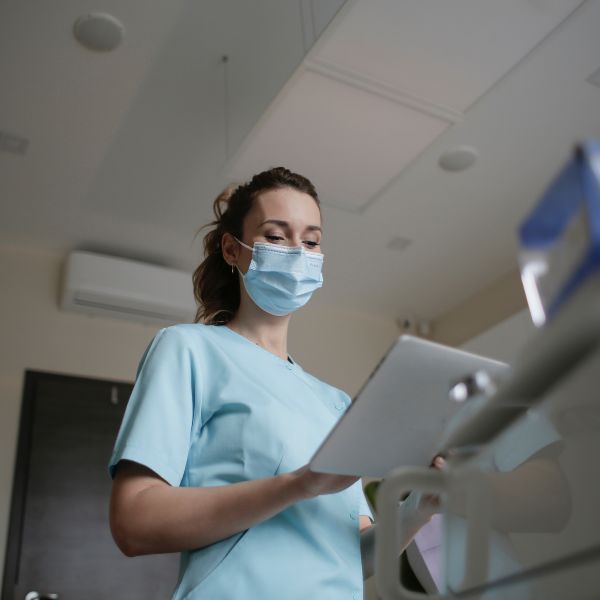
column 504, row 340
column 339, row 347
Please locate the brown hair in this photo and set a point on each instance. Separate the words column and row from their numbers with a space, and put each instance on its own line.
column 216, row 288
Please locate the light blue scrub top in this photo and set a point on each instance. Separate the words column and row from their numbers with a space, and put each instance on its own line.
column 210, row 407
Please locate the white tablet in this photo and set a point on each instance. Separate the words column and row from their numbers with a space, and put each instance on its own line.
column 399, row 414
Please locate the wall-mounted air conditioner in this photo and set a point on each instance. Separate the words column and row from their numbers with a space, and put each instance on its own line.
column 96, row 284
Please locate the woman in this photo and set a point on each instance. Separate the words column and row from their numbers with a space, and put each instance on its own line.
column 210, row 460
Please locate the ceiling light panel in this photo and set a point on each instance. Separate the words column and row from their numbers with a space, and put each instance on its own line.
column 448, row 53
column 349, row 141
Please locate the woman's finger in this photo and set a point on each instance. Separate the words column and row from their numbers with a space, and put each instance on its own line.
column 439, row 462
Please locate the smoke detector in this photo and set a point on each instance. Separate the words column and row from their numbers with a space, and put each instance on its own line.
column 594, row 78
column 100, row 32
column 13, row 143
column 399, row 243
column 458, row 158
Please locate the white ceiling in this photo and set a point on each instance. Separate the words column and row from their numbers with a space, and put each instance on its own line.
column 383, row 82
column 128, row 149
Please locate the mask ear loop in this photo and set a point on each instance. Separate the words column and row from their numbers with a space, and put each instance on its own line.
column 245, row 246
column 242, row 243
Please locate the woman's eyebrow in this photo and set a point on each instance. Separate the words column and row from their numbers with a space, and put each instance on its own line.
column 286, row 224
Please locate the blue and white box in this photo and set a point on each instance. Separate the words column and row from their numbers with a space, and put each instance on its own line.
column 560, row 239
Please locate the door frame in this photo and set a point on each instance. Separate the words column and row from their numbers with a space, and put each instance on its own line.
column 21, row 471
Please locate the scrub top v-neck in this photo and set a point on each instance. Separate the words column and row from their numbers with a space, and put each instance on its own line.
column 210, row 407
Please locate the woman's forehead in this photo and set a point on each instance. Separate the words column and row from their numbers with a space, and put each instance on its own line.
column 285, row 204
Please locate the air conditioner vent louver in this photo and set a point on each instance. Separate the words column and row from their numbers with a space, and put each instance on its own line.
column 127, row 289
column 134, row 312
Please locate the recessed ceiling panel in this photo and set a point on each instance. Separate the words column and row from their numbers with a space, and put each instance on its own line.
column 448, row 53
column 349, row 141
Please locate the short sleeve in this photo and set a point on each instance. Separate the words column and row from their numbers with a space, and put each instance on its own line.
column 157, row 423
column 363, row 507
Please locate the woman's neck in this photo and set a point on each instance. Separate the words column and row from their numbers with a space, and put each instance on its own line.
column 268, row 331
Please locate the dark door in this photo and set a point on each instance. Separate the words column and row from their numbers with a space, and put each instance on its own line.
column 59, row 538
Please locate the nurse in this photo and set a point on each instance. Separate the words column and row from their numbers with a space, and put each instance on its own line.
column 210, row 460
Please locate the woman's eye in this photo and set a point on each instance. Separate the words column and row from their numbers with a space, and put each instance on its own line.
column 311, row 243
column 273, row 238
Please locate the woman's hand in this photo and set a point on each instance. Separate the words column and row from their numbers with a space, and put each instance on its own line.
column 431, row 502
column 418, row 508
column 314, row 484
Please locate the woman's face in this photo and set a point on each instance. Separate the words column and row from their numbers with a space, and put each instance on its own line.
column 285, row 217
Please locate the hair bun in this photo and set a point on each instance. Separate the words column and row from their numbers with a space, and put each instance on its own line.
column 222, row 200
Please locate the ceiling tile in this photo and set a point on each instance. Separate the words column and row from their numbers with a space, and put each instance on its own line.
column 448, row 53
column 317, row 117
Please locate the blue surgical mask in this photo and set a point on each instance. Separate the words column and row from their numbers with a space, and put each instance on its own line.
column 281, row 279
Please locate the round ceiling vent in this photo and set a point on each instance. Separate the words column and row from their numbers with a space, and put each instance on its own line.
column 98, row 31
column 458, row 158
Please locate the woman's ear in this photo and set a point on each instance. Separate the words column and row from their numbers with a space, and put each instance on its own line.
column 230, row 249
